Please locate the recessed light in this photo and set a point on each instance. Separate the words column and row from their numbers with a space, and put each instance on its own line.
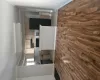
column 30, row 59
column 66, row 61
column 30, row 64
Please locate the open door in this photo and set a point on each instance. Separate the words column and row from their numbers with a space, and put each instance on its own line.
column 47, row 37
column 18, row 41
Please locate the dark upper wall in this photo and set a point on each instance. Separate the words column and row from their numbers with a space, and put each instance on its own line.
column 34, row 23
column 78, row 41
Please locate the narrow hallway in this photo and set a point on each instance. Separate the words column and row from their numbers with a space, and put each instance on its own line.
column 37, row 60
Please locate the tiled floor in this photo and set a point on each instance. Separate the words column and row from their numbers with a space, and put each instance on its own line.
column 32, row 59
column 31, row 56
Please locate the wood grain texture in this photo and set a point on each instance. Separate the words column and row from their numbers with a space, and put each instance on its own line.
column 78, row 41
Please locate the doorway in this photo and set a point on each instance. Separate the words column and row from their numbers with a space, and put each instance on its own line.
column 32, row 56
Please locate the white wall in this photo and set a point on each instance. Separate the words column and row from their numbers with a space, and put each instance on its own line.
column 22, row 20
column 46, row 77
column 36, row 70
column 54, row 18
column 8, row 16
column 18, row 42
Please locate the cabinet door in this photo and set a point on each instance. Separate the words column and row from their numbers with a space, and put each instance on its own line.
column 47, row 37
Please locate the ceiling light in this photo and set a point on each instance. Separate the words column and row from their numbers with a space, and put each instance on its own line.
column 30, row 59
column 30, row 64
column 66, row 61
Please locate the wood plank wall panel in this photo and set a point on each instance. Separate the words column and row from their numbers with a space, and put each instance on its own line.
column 78, row 41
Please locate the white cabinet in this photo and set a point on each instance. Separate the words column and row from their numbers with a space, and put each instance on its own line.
column 47, row 37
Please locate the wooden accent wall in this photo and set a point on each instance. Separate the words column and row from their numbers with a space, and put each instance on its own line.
column 78, row 41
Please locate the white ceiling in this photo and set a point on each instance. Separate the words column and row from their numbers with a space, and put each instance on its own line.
column 47, row 4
